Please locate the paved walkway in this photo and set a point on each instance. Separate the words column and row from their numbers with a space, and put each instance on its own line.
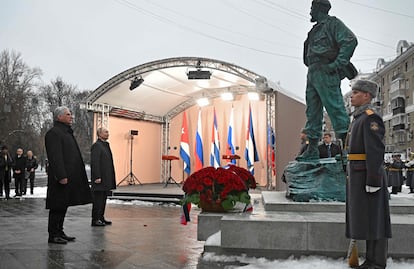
column 140, row 237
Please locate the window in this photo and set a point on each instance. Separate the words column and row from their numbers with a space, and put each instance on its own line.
column 406, row 66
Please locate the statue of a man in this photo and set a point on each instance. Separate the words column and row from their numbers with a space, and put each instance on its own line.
column 327, row 52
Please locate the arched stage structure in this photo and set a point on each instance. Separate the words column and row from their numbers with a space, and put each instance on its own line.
column 152, row 97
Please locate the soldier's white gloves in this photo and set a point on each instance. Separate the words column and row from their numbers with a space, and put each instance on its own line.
column 371, row 189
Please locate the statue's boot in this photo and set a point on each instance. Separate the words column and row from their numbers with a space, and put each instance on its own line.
column 311, row 153
column 342, row 138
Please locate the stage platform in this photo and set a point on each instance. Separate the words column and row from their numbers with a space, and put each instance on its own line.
column 279, row 228
column 156, row 192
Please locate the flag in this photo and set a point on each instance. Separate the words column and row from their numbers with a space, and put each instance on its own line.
column 199, row 160
column 250, row 153
column 215, row 144
column 185, row 146
column 271, row 143
column 230, row 137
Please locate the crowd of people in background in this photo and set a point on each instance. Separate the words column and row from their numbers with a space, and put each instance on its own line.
column 19, row 167
column 400, row 171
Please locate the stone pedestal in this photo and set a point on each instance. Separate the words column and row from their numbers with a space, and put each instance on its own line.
column 280, row 228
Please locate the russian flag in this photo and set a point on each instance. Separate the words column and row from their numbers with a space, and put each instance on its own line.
column 230, row 137
column 215, row 144
column 199, row 160
column 250, row 153
column 185, row 146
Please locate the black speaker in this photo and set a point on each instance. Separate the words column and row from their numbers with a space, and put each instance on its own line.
column 133, row 132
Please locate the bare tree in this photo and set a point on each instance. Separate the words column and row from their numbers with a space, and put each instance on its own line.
column 17, row 99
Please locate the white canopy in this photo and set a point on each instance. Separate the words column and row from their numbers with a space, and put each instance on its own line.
column 166, row 89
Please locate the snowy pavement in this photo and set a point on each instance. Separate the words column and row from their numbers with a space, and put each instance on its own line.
column 234, row 262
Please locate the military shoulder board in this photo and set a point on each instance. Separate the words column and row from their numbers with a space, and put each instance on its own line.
column 369, row 112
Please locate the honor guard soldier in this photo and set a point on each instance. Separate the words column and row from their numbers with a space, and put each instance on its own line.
column 395, row 177
column 367, row 205
column 410, row 172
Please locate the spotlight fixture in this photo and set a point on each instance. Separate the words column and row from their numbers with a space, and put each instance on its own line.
column 203, row 101
column 136, row 82
column 227, row 96
column 199, row 73
column 253, row 96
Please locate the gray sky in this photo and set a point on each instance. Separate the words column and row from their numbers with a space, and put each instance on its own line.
column 86, row 42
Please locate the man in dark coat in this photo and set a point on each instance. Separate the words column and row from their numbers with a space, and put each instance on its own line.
column 67, row 179
column 31, row 166
column 102, row 176
column 19, row 168
column 6, row 164
column 304, row 142
column 328, row 149
column 367, row 208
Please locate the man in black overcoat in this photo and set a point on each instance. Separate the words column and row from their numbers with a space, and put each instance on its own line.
column 19, row 167
column 367, row 207
column 6, row 164
column 67, row 179
column 102, row 176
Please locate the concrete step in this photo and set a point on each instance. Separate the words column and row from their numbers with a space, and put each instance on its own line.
column 296, row 229
column 155, row 199
column 277, row 201
column 282, row 234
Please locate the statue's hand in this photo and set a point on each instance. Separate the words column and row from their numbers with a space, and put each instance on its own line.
column 328, row 68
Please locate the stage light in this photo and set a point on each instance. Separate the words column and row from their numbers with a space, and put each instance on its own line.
column 199, row 74
column 227, row 96
column 202, row 101
column 253, row 96
column 136, row 82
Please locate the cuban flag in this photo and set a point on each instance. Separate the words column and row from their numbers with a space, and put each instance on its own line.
column 250, row 153
column 215, row 144
column 199, row 160
column 185, row 146
column 230, row 137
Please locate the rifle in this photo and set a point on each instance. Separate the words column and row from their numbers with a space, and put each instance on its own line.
column 352, row 254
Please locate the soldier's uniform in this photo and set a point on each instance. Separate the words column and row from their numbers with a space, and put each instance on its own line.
column 395, row 177
column 410, row 175
column 367, row 213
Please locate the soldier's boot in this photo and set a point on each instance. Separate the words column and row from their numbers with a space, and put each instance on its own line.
column 311, row 153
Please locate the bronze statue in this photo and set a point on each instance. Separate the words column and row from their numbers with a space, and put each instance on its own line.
column 327, row 52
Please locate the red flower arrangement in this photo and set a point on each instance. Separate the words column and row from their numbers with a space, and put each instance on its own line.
column 219, row 187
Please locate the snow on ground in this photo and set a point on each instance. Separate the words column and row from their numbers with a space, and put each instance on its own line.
column 310, row 262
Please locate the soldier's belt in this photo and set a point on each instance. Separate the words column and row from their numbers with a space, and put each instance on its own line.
column 357, row 157
column 410, row 169
column 394, row 169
